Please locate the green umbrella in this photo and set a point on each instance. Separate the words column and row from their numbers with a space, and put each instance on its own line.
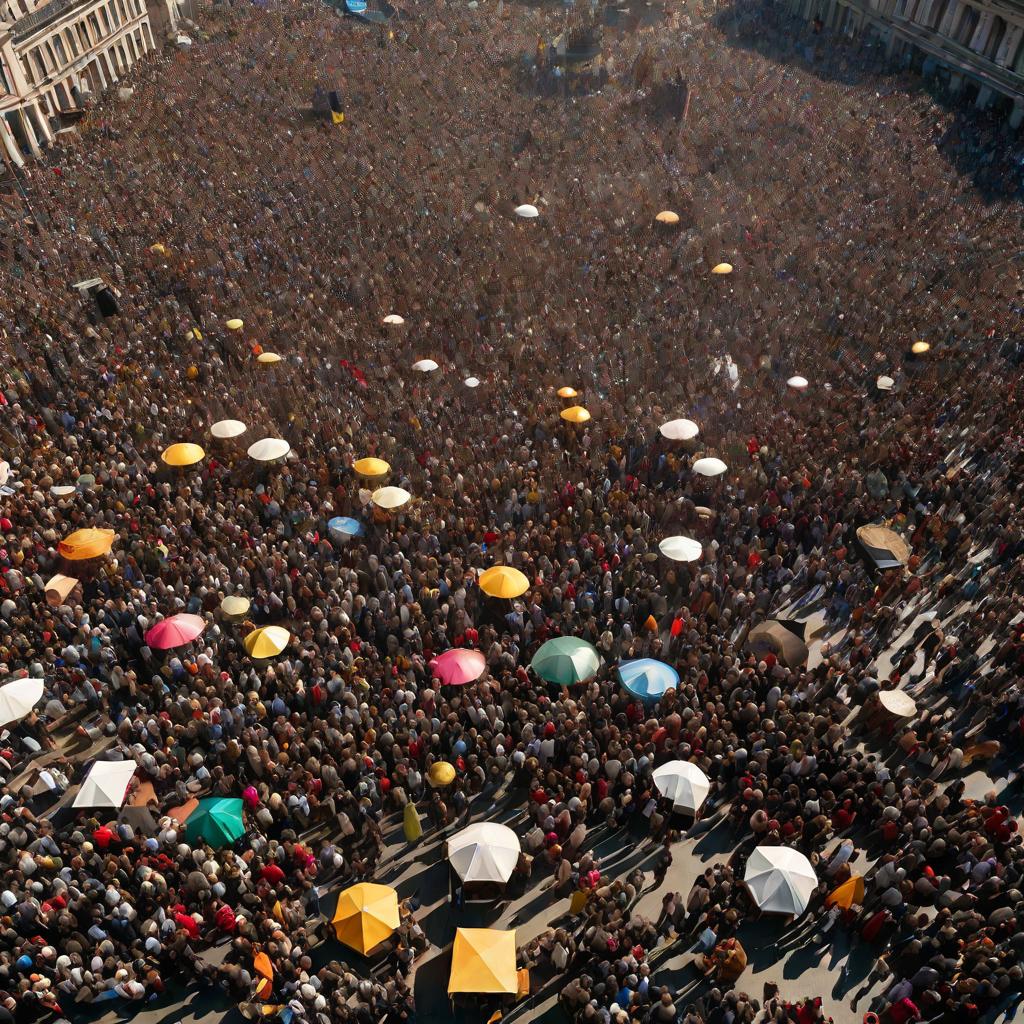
column 217, row 821
column 566, row 660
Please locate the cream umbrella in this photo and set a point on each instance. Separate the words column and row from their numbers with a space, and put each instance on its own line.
column 722, row 268
column 667, row 217
column 18, row 698
column 709, row 466
column 799, row 383
column 472, row 382
column 269, row 449
column 425, row 365
column 920, row 347
column 224, row 429
column 268, row 358
column 679, row 430
column 57, row 589
column 62, row 490
column 106, row 785
column 898, row 703
column 235, row 606
column 527, row 211
column 885, row 383
column 390, row 497
column 681, row 549
column 394, row 320
column 684, row 784
column 484, row 852
column 780, row 880
column 235, row 324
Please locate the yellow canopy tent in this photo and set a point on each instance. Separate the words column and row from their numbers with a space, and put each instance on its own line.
column 88, row 543
column 503, row 581
column 366, row 916
column 484, row 962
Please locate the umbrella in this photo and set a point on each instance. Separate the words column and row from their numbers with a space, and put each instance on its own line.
column 394, row 320
column 235, row 606
column 217, row 821
column 772, row 636
column 484, row 962
column 709, row 466
column 87, row 481
column 268, row 449
column 503, row 581
column 567, row 392
column 345, row 527
column 722, row 268
column 83, row 544
column 441, row 773
column 366, row 915
column 371, row 467
column 780, row 880
column 265, row 972
column 57, row 589
column 267, row 642
column 847, row 894
column 390, row 497
column 575, row 414
column 18, row 698
column 62, row 490
column 679, row 430
column 472, row 382
column 425, row 365
column 648, row 678
column 667, row 217
column 484, row 852
column 5, row 472
column 183, row 454
column 268, row 358
column 920, row 347
column 898, row 703
column 175, row 631
column 459, row 666
column 527, row 211
column 885, row 547
column 227, row 428
column 799, row 383
column 681, row 549
column 684, row 784
column 885, row 383
column 566, row 660
column 106, row 784
column 235, row 324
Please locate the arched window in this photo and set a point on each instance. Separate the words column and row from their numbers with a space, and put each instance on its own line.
column 966, row 26
column 995, row 38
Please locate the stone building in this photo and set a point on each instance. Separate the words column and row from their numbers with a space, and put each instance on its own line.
column 977, row 46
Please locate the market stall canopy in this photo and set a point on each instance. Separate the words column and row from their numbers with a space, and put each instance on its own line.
column 267, row 642
column 224, row 429
column 217, row 821
column 484, row 962
column 441, row 773
column 648, row 679
column 106, row 785
column 679, row 430
column 885, row 548
column 681, row 549
column 425, row 365
column 567, row 392
column 85, row 544
column 345, row 527
column 575, row 414
column 58, row 588
column 18, row 698
column 235, row 606
column 503, row 581
column 390, row 497
column 527, row 211
column 773, row 637
column 684, row 784
column 458, row 666
column 268, row 449
column 709, row 466
column 268, row 358
column 371, row 467
column 898, row 703
column 484, row 852
column 799, row 383
column 667, row 217
column 566, row 660
column 780, row 880
column 366, row 916
column 175, row 631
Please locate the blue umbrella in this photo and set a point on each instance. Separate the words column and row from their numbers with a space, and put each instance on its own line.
column 345, row 526
column 647, row 678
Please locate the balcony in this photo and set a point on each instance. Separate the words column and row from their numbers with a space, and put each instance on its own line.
column 37, row 19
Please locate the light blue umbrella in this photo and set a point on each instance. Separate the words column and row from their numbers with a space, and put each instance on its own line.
column 648, row 679
column 345, row 527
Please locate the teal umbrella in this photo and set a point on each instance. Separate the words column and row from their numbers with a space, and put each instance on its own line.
column 217, row 821
column 566, row 660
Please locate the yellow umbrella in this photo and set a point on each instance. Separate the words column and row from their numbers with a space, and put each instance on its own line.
column 183, row 454
column 234, row 324
column 441, row 773
column 722, row 268
column 268, row 357
column 267, row 641
column 503, row 581
column 158, row 247
column 83, row 544
column 484, row 961
column 667, row 217
column 847, row 894
column 567, row 392
column 920, row 347
column 575, row 414
column 371, row 467
column 366, row 915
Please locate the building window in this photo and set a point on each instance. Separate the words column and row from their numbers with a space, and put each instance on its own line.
column 938, row 13
column 967, row 25
column 94, row 21
column 71, row 41
column 106, row 19
column 996, row 35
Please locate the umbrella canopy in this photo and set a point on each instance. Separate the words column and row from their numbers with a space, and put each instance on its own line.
column 394, row 320
column 268, row 449
column 648, row 678
column 567, row 392
column 175, row 631
column 62, row 490
column 799, row 383
column 235, row 324
column 371, row 467
column 847, row 894
column 267, row 641
column 57, row 589
column 684, row 784
column 18, row 698
column 681, row 549
column 780, row 880
column 679, row 430
column 575, row 414
column 366, row 915
column 772, row 636
column 425, row 365
column 885, row 547
column 920, row 347
column 898, row 703
column 566, row 660
column 484, row 852
column 441, row 773
column 722, row 268
column 484, row 962
column 83, row 544
column 183, row 454
column 390, row 497
column 106, row 784
column 235, row 606
column 345, row 526
column 268, row 358
column 667, row 217
column 709, row 466
column 472, row 382
column 503, row 581
column 527, row 211
column 885, row 383
column 217, row 821
column 224, row 429
column 459, row 666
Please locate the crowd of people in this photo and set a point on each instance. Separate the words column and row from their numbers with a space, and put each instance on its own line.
column 212, row 193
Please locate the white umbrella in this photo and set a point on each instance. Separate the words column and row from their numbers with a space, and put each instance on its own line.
column 472, row 382
column 425, row 365
column 885, row 383
column 57, row 589
column 106, row 784
column 679, row 430
column 780, row 880
column 18, row 698
column 62, row 490
column 394, row 320
column 390, row 497
column 227, row 428
column 527, row 211
column 797, row 382
column 684, row 784
column 484, row 852
column 5, row 472
column 268, row 449
column 709, row 467
column 898, row 703
column 681, row 549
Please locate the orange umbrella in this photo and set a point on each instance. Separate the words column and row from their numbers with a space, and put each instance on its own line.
column 847, row 894
column 261, row 964
column 88, row 543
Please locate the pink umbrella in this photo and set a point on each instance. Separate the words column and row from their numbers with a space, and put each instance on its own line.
column 459, row 666
column 175, row 631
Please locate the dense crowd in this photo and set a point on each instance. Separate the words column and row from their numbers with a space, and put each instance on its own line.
column 211, row 194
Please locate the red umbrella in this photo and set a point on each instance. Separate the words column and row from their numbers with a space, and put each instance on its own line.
column 459, row 666
column 175, row 631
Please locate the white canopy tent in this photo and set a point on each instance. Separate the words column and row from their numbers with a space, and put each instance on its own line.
column 106, row 784
column 484, row 852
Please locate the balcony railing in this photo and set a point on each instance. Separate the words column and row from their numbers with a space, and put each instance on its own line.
column 48, row 12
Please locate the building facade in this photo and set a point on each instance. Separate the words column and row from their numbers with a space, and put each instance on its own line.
column 56, row 54
column 977, row 45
